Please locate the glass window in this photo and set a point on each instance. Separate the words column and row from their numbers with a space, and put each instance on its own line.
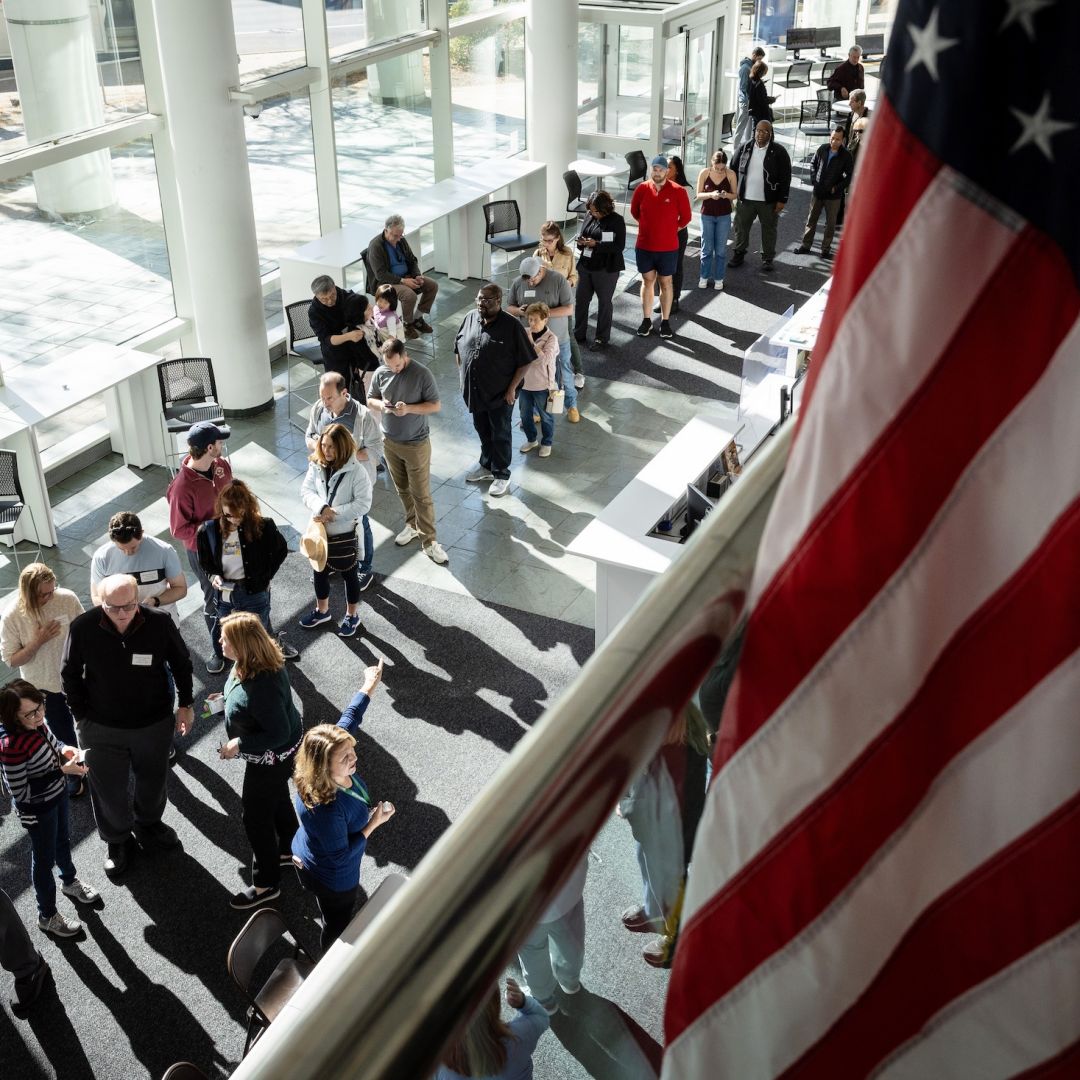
column 628, row 100
column 100, row 273
column 282, row 164
column 69, row 76
column 354, row 24
column 591, row 38
column 269, row 37
column 487, row 86
column 382, row 126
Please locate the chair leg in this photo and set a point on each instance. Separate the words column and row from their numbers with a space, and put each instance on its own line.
column 37, row 535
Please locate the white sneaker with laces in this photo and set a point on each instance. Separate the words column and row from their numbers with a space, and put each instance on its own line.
column 80, row 892
column 406, row 536
column 475, row 476
column 703, row 283
column 59, row 925
column 499, row 487
column 434, row 551
column 524, row 448
column 545, row 451
column 719, row 286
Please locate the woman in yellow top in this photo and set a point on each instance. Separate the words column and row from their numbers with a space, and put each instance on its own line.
column 553, row 252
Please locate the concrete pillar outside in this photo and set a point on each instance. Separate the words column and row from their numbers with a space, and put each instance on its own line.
column 399, row 81
column 551, row 79
column 52, row 52
column 197, row 46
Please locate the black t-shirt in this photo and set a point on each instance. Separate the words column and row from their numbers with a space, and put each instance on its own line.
column 490, row 353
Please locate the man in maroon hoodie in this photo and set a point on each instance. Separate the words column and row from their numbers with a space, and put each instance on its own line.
column 661, row 209
column 191, row 497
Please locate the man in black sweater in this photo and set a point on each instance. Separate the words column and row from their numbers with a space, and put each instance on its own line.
column 115, row 675
column 337, row 318
column 830, row 175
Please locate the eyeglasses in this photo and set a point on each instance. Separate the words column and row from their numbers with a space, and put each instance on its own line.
column 34, row 713
column 120, row 607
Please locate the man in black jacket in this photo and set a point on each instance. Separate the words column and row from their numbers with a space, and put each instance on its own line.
column 830, row 175
column 764, row 171
column 115, row 675
column 392, row 262
column 337, row 317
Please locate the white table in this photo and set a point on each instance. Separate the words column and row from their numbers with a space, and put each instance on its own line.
column 598, row 169
column 799, row 333
column 34, row 393
column 627, row 558
column 453, row 206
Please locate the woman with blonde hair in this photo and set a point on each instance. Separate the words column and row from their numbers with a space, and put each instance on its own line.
column 32, row 637
column 553, row 252
column 337, row 491
column 490, row 1048
column 263, row 727
column 336, row 812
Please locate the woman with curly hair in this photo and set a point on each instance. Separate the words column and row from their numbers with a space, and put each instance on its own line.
column 337, row 814
column 263, row 727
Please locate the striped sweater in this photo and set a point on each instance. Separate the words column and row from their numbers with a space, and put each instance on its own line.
column 30, row 764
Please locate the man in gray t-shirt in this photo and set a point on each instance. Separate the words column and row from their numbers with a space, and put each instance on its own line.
column 403, row 395
column 539, row 284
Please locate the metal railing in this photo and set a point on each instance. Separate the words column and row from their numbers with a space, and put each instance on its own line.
column 386, row 1006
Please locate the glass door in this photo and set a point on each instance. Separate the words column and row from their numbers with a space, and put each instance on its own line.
column 700, row 77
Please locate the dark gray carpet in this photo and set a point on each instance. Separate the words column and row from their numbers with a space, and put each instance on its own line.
column 712, row 333
column 147, row 985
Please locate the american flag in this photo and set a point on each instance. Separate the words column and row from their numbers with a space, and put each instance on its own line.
column 886, row 880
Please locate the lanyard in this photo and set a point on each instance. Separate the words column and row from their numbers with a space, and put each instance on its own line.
column 363, row 795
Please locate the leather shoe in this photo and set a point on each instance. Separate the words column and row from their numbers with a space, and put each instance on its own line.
column 157, row 835
column 736, row 260
column 802, row 249
column 637, row 922
column 117, row 859
column 30, row 991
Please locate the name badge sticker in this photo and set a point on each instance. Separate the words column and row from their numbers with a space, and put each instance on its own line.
column 530, row 293
column 607, row 237
column 141, row 659
column 148, row 577
column 586, row 253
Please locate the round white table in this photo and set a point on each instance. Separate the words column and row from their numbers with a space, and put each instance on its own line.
column 597, row 168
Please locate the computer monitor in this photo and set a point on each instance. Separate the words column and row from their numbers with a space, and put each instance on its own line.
column 698, row 504
column 799, row 37
column 871, row 44
column 827, row 37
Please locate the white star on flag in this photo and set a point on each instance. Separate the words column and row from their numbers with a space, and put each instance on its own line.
column 929, row 44
column 1038, row 128
column 1023, row 12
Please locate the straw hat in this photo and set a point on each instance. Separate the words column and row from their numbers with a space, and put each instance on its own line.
column 313, row 545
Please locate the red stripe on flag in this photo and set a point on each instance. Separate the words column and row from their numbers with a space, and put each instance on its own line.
column 872, row 224
column 877, row 515
column 794, row 878
column 1063, row 1066
column 1021, row 898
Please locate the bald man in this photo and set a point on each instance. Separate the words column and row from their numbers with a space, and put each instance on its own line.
column 115, row 674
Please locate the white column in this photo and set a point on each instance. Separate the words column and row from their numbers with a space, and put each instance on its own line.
column 551, row 45
column 399, row 81
column 197, row 47
column 322, row 116
column 52, row 51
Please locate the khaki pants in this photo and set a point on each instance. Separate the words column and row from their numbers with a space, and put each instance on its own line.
column 407, row 297
column 832, row 213
column 410, row 466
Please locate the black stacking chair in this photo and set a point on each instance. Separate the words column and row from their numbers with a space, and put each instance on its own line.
column 304, row 345
column 188, row 395
column 12, row 503
column 503, row 230
column 574, row 203
column 815, row 118
column 639, row 169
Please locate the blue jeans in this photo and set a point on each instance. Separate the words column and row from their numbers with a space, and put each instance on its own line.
column 564, row 375
column 50, row 846
column 714, row 237
column 535, row 401
column 242, row 600
column 213, row 627
column 369, row 546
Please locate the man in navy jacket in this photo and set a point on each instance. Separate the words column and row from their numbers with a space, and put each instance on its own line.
column 830, row 175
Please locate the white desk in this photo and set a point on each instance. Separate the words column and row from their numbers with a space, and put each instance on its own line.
column 799, row 333
column 627, row 558
column 599, row 170
column 453, row 206
column 35, row 393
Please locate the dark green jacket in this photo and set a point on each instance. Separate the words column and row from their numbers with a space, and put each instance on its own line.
column 260, row 712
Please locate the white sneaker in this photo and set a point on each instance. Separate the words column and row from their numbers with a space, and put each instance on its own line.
column 80, row 892
column 526, row 447
column 499, row 487
column 703, row 283
column 59, row 925
column 434, row 551
column 579, row 381
column 719, row 286
column 545, row 451
column 406, row 536
column 474, row 476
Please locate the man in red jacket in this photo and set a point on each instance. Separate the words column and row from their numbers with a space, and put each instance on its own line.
column 661, row 209
column 191, row 497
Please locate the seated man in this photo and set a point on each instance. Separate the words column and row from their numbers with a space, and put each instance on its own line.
column 337, row 318
column 391, row 262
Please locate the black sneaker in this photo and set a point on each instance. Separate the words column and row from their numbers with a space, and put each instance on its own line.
column 290, row 652
column 215, row 665
column 252, row 897
column 156, row 835
column 645, row 329
column 736, row 260
column 665, row 329
column 802, row 249
column 172, row 753
column 366, row 580
column 767, row 267
column 116, row 860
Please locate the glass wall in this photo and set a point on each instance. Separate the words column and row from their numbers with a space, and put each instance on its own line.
column 269, row 37
column 487, row 81
column 592, row 38
column 353, row 24
column 101, row 276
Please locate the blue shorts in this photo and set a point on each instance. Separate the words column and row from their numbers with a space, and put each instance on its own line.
column 663, row 262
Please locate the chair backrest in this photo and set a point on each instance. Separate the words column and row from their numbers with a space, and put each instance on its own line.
column 573, row 187
column 814, row 113
column 299, row 325
column 727, row 125
column 10, row 489
column 798, row 74
column 825, row 94
column 502, row 216
column 828, row 68
column 639, row 167
column 188, row 379
column 261, row 931
column 369, row 278
column 184, row 1070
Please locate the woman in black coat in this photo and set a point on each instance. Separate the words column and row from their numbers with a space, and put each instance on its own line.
column 600, row 242
column 760, row 109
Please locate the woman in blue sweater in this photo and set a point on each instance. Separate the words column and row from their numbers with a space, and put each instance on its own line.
column 336, row 812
